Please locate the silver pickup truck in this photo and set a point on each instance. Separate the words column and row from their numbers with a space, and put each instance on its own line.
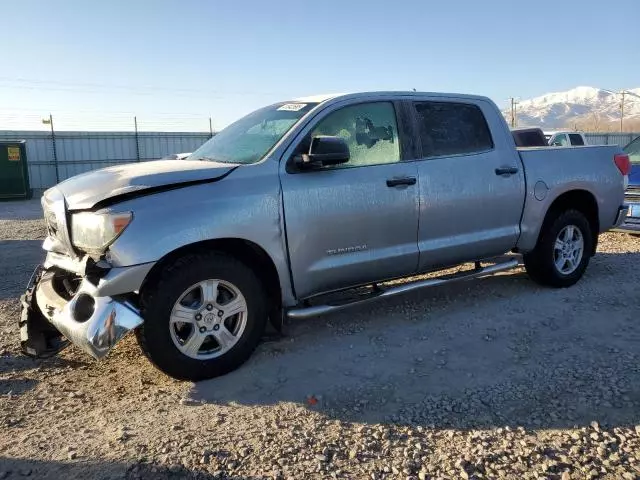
column 302, row 208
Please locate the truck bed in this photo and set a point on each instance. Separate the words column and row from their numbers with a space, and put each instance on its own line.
column 552, row 171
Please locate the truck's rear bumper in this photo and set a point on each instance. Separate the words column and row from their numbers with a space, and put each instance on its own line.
column 630, row 221
column 92, row 322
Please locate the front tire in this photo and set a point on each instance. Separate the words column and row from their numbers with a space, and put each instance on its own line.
column 562, row 253
column 203, row 315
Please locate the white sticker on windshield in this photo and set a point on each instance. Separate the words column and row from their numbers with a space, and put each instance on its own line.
column 292, row 107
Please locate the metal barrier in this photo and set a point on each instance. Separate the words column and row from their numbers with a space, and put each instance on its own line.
column 610, row 138
column 53, row 157
column 56, row 156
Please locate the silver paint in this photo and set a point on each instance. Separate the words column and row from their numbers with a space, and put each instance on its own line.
column 245, row 206
column 467, row 211
column 540, row 190
column 85, row 190
column 121, row 280
column 563, row 169
column 349, row 206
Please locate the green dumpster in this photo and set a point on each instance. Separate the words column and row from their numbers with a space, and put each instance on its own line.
column 14, row 175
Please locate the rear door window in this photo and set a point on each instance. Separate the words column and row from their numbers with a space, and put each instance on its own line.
column 451, row 128
column 576, row 139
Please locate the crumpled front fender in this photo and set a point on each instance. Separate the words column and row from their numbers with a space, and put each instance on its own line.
column 38, row 338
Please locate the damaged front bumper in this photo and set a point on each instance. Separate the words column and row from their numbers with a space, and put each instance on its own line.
column 75, row 298
column 89, row 319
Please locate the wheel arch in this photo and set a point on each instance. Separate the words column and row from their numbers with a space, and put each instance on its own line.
column 246, row 251
column 581, row 200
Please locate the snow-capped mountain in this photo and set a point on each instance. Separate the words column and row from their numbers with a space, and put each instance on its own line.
column 580, row 104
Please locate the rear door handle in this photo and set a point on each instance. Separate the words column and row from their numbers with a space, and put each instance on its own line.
column 506, row 170
column 398, row 181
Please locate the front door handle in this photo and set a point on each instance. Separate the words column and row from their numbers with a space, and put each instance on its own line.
column 398, row 181
column 506, row 170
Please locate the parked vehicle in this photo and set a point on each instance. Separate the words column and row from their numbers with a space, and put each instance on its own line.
column 529, row 137
column 302, row 208
column 565, row 139
column 632, row 193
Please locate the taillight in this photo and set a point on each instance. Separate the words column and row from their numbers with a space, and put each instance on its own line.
column 622, row 162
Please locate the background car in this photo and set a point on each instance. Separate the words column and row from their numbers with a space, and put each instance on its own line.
column 633, row 150
column 632, row 193
column 565, row 138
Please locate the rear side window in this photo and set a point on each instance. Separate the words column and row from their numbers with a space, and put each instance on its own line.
column 576, row 139
column 560, row 140
column 529, row 138
column 448, row 128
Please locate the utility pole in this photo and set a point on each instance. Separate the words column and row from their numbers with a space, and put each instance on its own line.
column 514, row 118
column 49, row 121
column 623, row 93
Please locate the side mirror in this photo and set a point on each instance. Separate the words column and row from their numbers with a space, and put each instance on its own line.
column 324, row 151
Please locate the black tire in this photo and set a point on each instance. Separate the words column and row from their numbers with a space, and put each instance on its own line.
column 540, row 264
column 160, row 295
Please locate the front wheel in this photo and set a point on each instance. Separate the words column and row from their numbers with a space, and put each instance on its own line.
column 563, row 250
column 204, row 316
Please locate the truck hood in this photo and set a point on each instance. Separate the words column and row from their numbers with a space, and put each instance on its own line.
column 86, row 190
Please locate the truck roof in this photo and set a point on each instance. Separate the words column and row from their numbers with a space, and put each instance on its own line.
column 554, row 132
column 384, row 93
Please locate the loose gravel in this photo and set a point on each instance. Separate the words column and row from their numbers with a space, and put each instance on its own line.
column 494, row 378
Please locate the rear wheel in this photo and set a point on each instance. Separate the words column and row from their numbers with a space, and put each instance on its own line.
column 563, row 250
column 204, row 316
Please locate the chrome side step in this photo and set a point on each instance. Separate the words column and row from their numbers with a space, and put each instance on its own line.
column 379, row 292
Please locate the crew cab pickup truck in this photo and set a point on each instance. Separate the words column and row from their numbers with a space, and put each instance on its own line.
column 302, row 208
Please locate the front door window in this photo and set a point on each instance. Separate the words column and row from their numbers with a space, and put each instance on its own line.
column 370, row 130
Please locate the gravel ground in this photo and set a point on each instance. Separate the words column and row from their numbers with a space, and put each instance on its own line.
column 495, row 378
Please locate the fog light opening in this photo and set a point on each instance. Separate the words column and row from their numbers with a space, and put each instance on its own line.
column 83, row 307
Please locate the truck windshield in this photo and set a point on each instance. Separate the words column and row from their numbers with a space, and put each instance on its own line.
column 248, row 140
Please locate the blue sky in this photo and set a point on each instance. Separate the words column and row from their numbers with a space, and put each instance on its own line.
column 181, row 61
